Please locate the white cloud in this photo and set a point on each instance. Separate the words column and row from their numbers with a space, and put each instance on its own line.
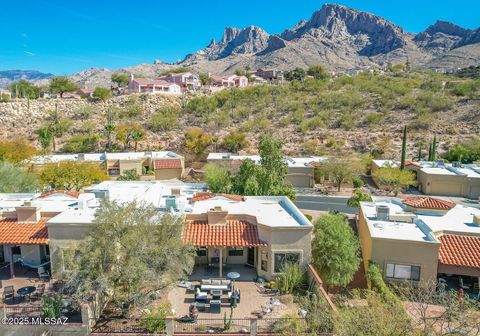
column 29, row 53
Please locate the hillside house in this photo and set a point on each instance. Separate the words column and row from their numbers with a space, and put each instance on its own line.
column 145, row 85
column 271, row 75
column 185, row 80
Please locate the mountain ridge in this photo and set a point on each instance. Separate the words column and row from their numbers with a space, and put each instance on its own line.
column 336, row 36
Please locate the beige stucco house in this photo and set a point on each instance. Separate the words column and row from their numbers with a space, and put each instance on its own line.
column 161, row 165
column 420, row 238
column 259, row 231
column 301, row 170
column 440, row 178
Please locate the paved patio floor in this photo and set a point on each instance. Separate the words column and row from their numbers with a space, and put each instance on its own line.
column 251, row 299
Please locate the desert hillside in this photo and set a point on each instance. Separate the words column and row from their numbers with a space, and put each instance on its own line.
column 365, row 114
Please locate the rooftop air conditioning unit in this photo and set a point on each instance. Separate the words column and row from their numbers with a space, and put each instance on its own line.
column 456, row 164
column 81, row 157
column 403, row 217
column 476, row 220
column 383, row 212
column 441, row 163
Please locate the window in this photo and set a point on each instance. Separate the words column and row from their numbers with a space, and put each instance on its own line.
column 16, row 250
column 235, row 252
column 264, row 261
column 404, row 272
column 202, row 252
column 281, row 258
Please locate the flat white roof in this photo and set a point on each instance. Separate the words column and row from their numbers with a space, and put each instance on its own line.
column 458, row 220
column 291, row 161
column 273, row 211
column 438, row 171
column 104, row 156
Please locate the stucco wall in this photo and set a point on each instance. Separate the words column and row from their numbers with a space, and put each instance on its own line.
column 167, row 174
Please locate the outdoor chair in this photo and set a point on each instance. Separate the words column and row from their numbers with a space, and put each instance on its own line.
column 43, row 274
column 39, row 292
column 201, row 296
column 8, row 293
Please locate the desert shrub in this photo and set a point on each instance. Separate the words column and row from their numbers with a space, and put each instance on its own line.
column 82, row 143
column 357, row 182
column 291, row 278
column 234, row 141
column 165, row 119
column 373, row 118
column 154, row 321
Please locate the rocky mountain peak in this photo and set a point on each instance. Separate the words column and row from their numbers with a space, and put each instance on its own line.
column 249, row 40
column 447, row 28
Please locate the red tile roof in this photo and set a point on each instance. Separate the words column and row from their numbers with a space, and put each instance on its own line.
column 460, row 251
column 233, row 233
column 205, row 196
column 411, row 163
column 12, row 232
column 428, row 203
column 168, row 164
column 74, row 194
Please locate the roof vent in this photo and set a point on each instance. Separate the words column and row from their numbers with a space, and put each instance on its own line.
column 441, row 163
column 456, row 164
column 383, row 212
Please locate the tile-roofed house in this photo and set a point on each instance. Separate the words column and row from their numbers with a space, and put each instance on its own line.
column 13, row 232
column 261, row 231
column 205, row 196
column 233, row 233
column 145, row 85
column 428, row 203
column 168, row 163
column 71, row 193
column 420, row 238
column 459, row 251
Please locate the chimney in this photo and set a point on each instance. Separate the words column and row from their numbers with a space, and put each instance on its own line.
column 175, row 191
column 28, row 213
column 217, row 216
column 132, row 77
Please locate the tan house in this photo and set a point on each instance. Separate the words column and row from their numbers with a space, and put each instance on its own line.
column 228, row 81
column 301, row 170
column 271, row 75
column 161, row 165
column 440, row 178
column 421, row 238
column 185, row 80
column 262, row 232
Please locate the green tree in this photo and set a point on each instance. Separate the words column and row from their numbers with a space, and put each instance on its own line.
column 128, row 132
column 197, row 141
column 14, row 179
column 234, row 141
column 57, row 125
column 45, row 137
column 420, row 154
column 120, row 79
column 218, row 179
column 109, row 128
column 71, row 175
column 335, row 250
column 357, row 197
column 404, row 148
column 394, row 179
column 245, row 181
column 16, row 151
column 62, row 84
column 298, row 74
column 24, row 89
column 461, row 154
column 318, row 72
column 341, row 170
column 110, row 261
column 102, row 93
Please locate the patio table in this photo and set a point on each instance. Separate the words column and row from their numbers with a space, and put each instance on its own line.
column 233, row 276
column 26, row 291
column 216, row 294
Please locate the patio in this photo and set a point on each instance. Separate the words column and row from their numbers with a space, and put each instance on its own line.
column 251, row 297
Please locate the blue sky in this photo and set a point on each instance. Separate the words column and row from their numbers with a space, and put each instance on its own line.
column 62, row 36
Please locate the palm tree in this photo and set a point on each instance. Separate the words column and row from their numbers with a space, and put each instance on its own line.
column 137, row 135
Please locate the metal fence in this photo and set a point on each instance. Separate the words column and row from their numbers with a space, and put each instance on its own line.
column 129, row 325
column 23, row 311
column 208, row 326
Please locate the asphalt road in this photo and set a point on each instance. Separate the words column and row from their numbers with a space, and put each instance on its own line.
column 324, row 203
